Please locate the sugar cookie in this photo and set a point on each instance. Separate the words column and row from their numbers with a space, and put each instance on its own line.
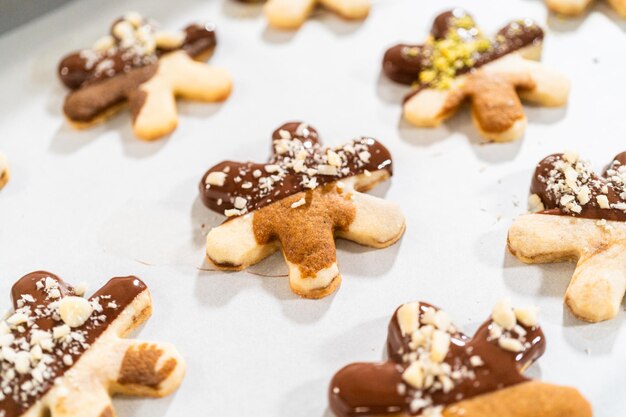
column 298, row 202
column 291, row 14
column 458, row 63
column 146, row 68
column 578, row 216
column 63, row 355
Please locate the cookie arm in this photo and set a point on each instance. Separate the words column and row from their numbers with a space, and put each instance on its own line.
column 148, row 369
column 288, row 14
column 233, row 246
column 195, row 80
column 599, row 282
column 349, row 9
column 378, row 223
column 430, row 107
column 154, row 109
column 540, row 84
column 568, row 7
column 598, row 285
column 87, row 398
column 532, row 398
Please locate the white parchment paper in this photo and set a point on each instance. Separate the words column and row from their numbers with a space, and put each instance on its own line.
column 99, row 203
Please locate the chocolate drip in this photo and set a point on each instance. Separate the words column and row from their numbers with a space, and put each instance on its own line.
column 118, row 291
column 369, row 389
column 84, row 67
column 612, row 180
column 245, row 179
column 403, row 63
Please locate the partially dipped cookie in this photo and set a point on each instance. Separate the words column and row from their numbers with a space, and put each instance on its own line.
column 434, row 370
column 291, row 14
column 146, row 68
column 64, row 355
column 458, row 63
column 298, row 202
column 4, row 171
column 578, row 215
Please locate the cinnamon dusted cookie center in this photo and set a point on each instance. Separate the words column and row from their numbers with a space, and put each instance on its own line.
column 305, row 225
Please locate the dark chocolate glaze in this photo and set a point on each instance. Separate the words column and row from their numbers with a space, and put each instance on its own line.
column 122, row 291
column 75, row 72
column 368, row 389
column 221, row 198
column 403, row 63
column 590, row 210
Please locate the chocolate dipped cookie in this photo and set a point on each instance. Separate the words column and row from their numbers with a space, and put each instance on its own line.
column 458, row 63
column 298, row 202
column 578, row 215
column 434, row 370
column 64, row 355
column 146, row 68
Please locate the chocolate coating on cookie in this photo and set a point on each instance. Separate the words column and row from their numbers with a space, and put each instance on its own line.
column 52, row 347
column 566, row 185
column 109, row 74
column 456, row 47
column 374, row 389
column 299, row 163
column 90, row 65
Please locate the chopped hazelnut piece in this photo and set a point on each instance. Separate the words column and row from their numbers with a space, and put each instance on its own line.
column 527, row 316
column 503, row 314
column 407, row 318
column 74, row 311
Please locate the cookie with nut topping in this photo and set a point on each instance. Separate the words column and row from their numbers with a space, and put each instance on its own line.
column 458, row 63
column 145, row 68
column 64, row 355
column 578, row 215
column 291, row 14
column 298, row 202
column 435, row 370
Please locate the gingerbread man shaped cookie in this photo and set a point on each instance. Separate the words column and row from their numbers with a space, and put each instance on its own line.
column 578, row 216
column 4, row 171
column 458, row 63
column 298, row 202
column 63, row 355
column 435, row 371
column 576, row 7
column 291, row 14
column 146, row 68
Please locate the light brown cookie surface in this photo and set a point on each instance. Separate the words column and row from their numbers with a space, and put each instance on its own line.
column 64, row 355
column 145, row 68
column 576, row 7
column 291, row 14
column 299, row 202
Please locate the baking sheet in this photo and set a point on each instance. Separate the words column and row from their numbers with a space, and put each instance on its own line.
column 99, row 203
